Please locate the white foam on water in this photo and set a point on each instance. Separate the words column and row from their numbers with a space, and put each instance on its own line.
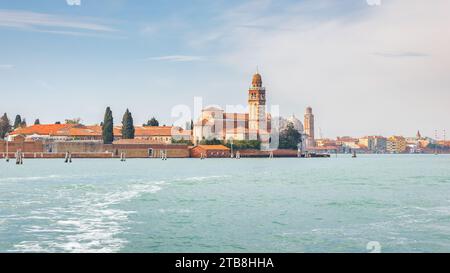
column 28, row 178
column 180, row 211
column 203, row 178
column 89, row 224
column 26, row 246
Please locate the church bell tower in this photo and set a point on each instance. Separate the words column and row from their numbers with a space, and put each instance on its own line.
column 257, row 104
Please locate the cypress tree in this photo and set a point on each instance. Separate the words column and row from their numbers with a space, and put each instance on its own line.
column 23, row 123
column 37, row 122
column 17, row 122
column 108, row 127
column 5, row 126
column 127, row 126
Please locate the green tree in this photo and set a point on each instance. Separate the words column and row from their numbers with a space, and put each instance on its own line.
column 182, row 141
column 108, row 127
column 152, row 123
column 17, row 122
column 5, row 126
column 290, row 138
column 73, row 121
column 37, row 122
column 23, row 123
column 245, row 144
column 213, row 141
column 127, row 126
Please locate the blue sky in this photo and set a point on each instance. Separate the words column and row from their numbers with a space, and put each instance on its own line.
column 365, row 69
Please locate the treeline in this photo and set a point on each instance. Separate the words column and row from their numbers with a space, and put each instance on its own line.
column 6, row 127
column 127, row 132
column 289, row 138
column 237, row 144
column 128, row 129
column 245, row 144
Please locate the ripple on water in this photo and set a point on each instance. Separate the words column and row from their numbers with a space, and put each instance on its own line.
column 89, row 224
column 29, row 178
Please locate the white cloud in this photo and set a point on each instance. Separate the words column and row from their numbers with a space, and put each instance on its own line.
column 177, row 58
column 48, row 22
column 373, row 2
column 6, row 66
column 380, row 70
column 73, row 2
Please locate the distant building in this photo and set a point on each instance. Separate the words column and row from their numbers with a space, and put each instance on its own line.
column 162, row 134
column 309, row 127
column 298, row 125
column 141, row 148
column 215, row 123
column 396, row 145
column 325, row 142
column 346, row 140
column 19, row 144
column 374, row 144
column 60, row 132
column 210, row 151
column 78, row 132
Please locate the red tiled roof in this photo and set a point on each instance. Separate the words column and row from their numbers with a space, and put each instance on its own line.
column 77, row 130
column 160, row 131
column 135, row 141
column 44, row 129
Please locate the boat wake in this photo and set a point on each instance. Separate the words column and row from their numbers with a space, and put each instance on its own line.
column 90, row 223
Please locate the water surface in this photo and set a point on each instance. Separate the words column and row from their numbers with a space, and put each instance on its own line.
column 224, row 205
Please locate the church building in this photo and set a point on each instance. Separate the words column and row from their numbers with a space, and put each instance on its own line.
column 215, row 123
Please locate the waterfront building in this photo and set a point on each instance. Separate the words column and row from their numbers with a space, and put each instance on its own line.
column 61, row 132
column 215, row 123
column 162, row 134
column 309, row 127
column 298, row 125
column 210, row 151
column 346, row 140
column 142, row 148
column 374, row 144
column 78, row 132
column 19, row 144
column 325, row 149
column 325, row 142
column 396, row 145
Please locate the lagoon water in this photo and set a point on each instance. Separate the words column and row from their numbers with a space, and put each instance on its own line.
column 400, row 202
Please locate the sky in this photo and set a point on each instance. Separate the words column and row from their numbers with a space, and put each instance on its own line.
column 366, row 67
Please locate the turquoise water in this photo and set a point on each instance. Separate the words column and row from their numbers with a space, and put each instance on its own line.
column 402, row 202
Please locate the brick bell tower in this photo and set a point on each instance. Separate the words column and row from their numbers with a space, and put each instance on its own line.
column 257, row 104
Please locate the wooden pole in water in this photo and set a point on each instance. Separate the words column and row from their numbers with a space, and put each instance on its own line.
column 7, row 149
column 19, row 158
